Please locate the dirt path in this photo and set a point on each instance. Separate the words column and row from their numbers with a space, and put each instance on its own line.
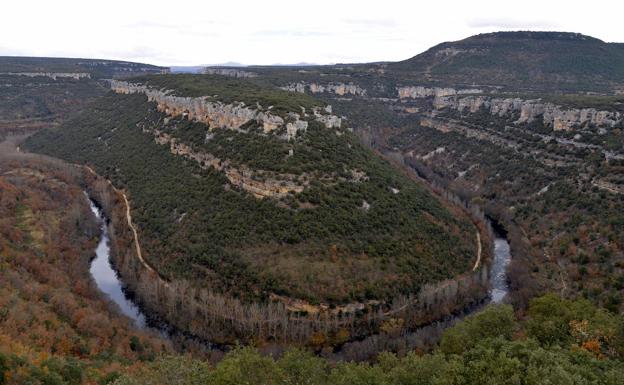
column 135, row 234
column 478, row 261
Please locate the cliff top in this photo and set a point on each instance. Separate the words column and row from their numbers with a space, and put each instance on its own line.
column 98, row 68
column 229, row 90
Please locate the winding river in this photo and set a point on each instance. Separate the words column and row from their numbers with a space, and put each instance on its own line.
column 109, row 283
column 106, row 277
column 498, row 273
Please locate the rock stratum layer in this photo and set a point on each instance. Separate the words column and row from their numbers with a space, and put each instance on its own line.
column 232, row 116
column 51, row 75
column 557, row 117
column 340, row 89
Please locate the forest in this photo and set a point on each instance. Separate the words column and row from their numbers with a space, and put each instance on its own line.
column 55, row 325
column 557, row 342
column 195, row 229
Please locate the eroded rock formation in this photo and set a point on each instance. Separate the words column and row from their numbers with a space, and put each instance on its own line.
column 527, row 111
column 415, row 92
column 51, row 75
column 232, row 116
column 340, row 89
column 235, row 73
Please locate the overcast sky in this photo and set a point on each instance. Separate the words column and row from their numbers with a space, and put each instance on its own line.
column 183, row 32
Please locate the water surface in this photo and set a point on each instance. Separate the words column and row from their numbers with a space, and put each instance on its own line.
column 105, row 276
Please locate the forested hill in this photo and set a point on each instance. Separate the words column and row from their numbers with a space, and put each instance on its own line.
column 96, row 68
column 273, row 195
column 522, row 60
column 533, row 62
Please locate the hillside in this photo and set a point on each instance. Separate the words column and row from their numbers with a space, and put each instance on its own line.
column 40, row 92
column 544, row 61
column 265, row 197
column 56, row 327
column 527, row 62
column 96, row 68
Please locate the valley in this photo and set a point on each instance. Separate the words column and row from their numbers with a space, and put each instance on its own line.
column 451, row 217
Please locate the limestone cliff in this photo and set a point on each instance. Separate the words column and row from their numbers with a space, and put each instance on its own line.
column 52, row 75
column 522, row 110
column 340, row 89
column 260, row 184
column 416, row 92
column 526, row 111
column 232, row 116
column 235, row 73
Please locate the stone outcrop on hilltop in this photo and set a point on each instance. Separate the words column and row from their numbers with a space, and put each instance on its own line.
column 235, row 73
column 415, row 92
column 523, row 110
column 51, row 75
column 232, row 116
column 340, row 89
column 215, row 114
column 527, row 111
column 260, row 184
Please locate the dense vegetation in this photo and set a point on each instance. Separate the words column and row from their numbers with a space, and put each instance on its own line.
column 322, row 247
column 559, row 342
column 24, row 98
column 554, row 191
column 55, row 326
column 522, row 60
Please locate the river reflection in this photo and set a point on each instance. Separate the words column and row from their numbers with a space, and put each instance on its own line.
column 106, row 278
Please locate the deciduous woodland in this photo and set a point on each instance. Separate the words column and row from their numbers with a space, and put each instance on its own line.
column 55, row 326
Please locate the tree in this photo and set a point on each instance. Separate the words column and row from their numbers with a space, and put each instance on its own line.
column 301, row 367
column 494, row 321
column 247, row 366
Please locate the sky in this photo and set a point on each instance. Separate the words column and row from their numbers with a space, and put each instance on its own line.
column 184, row 32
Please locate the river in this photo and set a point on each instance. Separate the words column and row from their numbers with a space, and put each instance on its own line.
column 109, row 283
column 498, row 273
column 106, row 277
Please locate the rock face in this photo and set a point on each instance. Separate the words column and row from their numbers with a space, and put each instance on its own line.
column 217, row 115
column 260, row 184
column 232, row 116
column 52, row 75
column 416, row 92
column 527, row 111
column 340, row 89
column 235, row 73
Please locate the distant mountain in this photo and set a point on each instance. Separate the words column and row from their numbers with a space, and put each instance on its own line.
column 527, row 60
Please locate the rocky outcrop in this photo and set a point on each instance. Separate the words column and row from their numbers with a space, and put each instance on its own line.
column 417, row 92
column 232, row 116
column 527, row 111
column 340, row 89
column 51, row 75
column 235, row 73
column 260, row 184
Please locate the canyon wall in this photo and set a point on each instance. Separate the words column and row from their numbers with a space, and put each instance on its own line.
column 415, row 92
column 235, row 73
column 52, row 75
column 522, row 110
column 528, row 111
column 232, row 116
column 340, row 89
